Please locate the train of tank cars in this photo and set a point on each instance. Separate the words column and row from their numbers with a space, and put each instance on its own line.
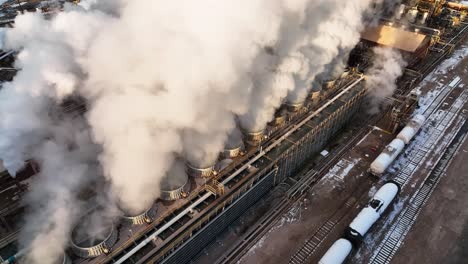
column 366, row 218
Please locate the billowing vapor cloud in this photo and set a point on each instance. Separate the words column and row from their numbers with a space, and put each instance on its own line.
column 173, row 96
column 66, row 159
column 387, row 66
column 162, row 80
column 336, row 35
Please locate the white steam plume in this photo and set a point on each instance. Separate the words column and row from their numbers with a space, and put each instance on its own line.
column 52, row 203
column 162, row 79
column 339, row 31
column 388, row 65
column 152, row 98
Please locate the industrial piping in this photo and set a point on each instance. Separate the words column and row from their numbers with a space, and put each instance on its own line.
column 232, row 176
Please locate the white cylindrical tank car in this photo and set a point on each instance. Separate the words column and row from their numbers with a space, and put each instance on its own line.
column 337, row 253
column 392, row 150
column 372, row 212
column 411, row 129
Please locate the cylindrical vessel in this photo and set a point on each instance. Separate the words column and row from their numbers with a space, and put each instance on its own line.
column 87, row 247
column 423, row 18
column 278, row 120
column 199, row 172
column 383, row 161
column 372, row 212
column 337, row 253
column 233, row 146
column 411, row 15
column 345, row 74
column 400, row 11
column 385, row 196
column 231, row 153
column 145, row 217
column 329, row 84
column 176, row 184
column 411, row 129
column 294, row 107
column 315, row 95
column 254, row 138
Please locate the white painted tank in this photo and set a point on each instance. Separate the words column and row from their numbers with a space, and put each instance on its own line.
column 411, row 15
column 386, row 194
column 423, row 18
column 337, row 253
column 400, row 11
column 392, row 150
column 411, row 129
column 373, row 210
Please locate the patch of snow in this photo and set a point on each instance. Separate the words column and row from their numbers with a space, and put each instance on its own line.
column 453, row 61
column 341, row 169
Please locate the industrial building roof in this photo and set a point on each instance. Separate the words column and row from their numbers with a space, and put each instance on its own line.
column 394, row 37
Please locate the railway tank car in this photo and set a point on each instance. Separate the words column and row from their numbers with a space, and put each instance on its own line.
column 386, row 158
column 392, row 150
column 372, row 212
column 337, row 253
column 411, row 129
column 355, row 232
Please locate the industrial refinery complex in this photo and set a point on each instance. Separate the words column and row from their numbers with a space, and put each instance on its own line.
column 248, row 131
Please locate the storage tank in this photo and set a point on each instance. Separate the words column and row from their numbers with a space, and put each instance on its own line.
column 176, row 185
column 422, row 18
column 144, row 217
column 411, row 129
column 400, row 11
column 337, row 253
column 90, row 241
column 412, row 14
column 372, row 212
column 383, row 161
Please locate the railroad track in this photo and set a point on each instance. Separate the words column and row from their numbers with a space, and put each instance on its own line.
column 310, row 246
column 306, row 251
column 267, row 221
column 418, row 151
column 398, row 232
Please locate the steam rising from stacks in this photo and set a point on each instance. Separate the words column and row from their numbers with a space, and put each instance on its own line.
column 388, row 65
column 162, row 79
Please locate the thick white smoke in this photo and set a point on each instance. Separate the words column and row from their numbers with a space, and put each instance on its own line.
column 336, row 35
column 66, row 160
column 388, row 65
column 162, row 79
